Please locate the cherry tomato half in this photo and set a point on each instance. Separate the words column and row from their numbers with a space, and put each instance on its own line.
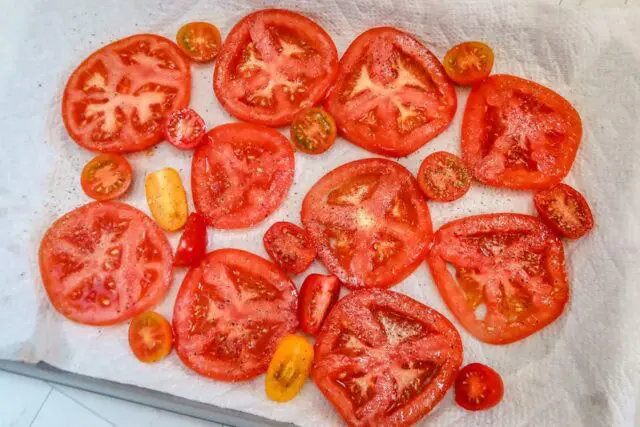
column 468, row 63
column 289, row 368
column 199, row 40
column 565, row 210
column 193, row 242
column 167, row 199
column 105, row 177
column 150, row 337
column 313, row 131
column 444, row 177
column 289, row 247
column 317, row 295
column 478, row 387
column 185, row 129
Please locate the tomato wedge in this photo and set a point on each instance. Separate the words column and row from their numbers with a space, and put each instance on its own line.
column 193, row 242
column 510, row 276
column 519, row 134
column 167, row 199
column 289, row 247
column 289, row 368
column 241, row 174
column 384, row 359
column 478, row 387
column 565, row 210
column 230, row 314
column 105, row 177
column 185, row 129
column 444, row 177
column 318, row 294
column 369, row 222
column 150, row 337
column 199, row 40
column 391, row 95
column 468, row 63
column 117, row 99
column 313, row 131
column 104, row 263
column 273, row 64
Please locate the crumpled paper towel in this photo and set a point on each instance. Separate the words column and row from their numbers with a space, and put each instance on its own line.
column 580, row 371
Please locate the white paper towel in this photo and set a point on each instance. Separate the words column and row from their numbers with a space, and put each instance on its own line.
column 580, row 371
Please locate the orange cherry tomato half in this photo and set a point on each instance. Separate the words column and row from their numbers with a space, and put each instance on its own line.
column 185, row 129
column 313, row 131
column 289, row 368
column 106, row 177
column 150, row 337
column 167, row 199
column 468, row 63
column 199, row 40
column 444, row 177
column 478, row 387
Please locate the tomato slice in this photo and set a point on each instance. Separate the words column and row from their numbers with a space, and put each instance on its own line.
column 565, row 210
column 104, row 263
column 313, row 131
column 444, row 177
column 510, row 276
column 318, row 294
column 167, row 199
column 289, row 247
column 150, row 337
column 289, row 368
column 519, row 134
column 384, row 359
column 468, row 63
column 105, row 177
column 230, row 314
column 117, row 99
column 369, row 222
column 391, row 95
column 185, row 129
column 193, row 242
column 241, row 174
column 199, row 40
column 273, row 64
column 478, row 387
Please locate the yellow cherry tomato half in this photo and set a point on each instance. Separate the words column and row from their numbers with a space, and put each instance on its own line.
column 167, row 199
column 289, row 368
column 150, row 337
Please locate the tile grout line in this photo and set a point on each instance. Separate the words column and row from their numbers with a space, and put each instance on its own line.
column 83, row 405
column 41, row 405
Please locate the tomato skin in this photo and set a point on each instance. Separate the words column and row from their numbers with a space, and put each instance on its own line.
column 167, row 199
column 150, row 337
column 443, row 163
column 318, row 295
column 289, row 368
column 310, row 120
column 289, row 247
column 199, row 30
column 193, row 242
column 478, row 376
column 185, row 129
column 571, row 225
column 459, row 58
column 95, row 177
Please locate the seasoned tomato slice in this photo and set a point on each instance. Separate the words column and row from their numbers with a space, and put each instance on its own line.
column 384, row 359
column 313, row 131
column 392, row 95
column 105, row 177
column 369, row 222
column 519, row 134
column 230, row 314
column 273, row 64
column 565, row 210
column 105, row 262
column 116, row 100
column 241, row 174
column 289, row 247
column 444, row 177
column 199, row 40
column 150, row 337
column 469, row 62
column 510, row 277
column 185, row 129
column 478, row 387
column 318, row 294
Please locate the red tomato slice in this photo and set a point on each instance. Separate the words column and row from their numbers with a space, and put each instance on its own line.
column 241, row 174
column 150, row 337
column 392, row 95
column 444, row 177
column 478, row 387
column 105, row 177
column 510, row 276
column 519, row 134
column 185, row 129
column 468, row 63
column 318, row 294
column 369, row 222
column 313, row 131
column 230, row 314
column 289, row 247
column 116, row 100
column 199, row 40
column 384, row 359
column 565, row 210
column 193, row 242
column 273, row 64
column 104, row 263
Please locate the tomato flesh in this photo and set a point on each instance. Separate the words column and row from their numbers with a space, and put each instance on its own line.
column 167, row 199
column 313, row 131
column 150, row 337
column 289, row 368
column 185, row 129
column 565, row 210
column 289, row 247
column 318, row 294
column 478, row 387
column 106, row 177
column 384, row 359
column 510, row 275
column 193, row 242
column 444, row 177
column 199, row 40
column 468, row 63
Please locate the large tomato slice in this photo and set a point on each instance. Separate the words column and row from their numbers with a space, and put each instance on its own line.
column 230, row 314
column 116, row 100
column 104, row 263
column 519, row 134
column 384, row 359
column 273, row 64
column 510, row 277
column 392, row 95
column 369, row 222
column 241, row 174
